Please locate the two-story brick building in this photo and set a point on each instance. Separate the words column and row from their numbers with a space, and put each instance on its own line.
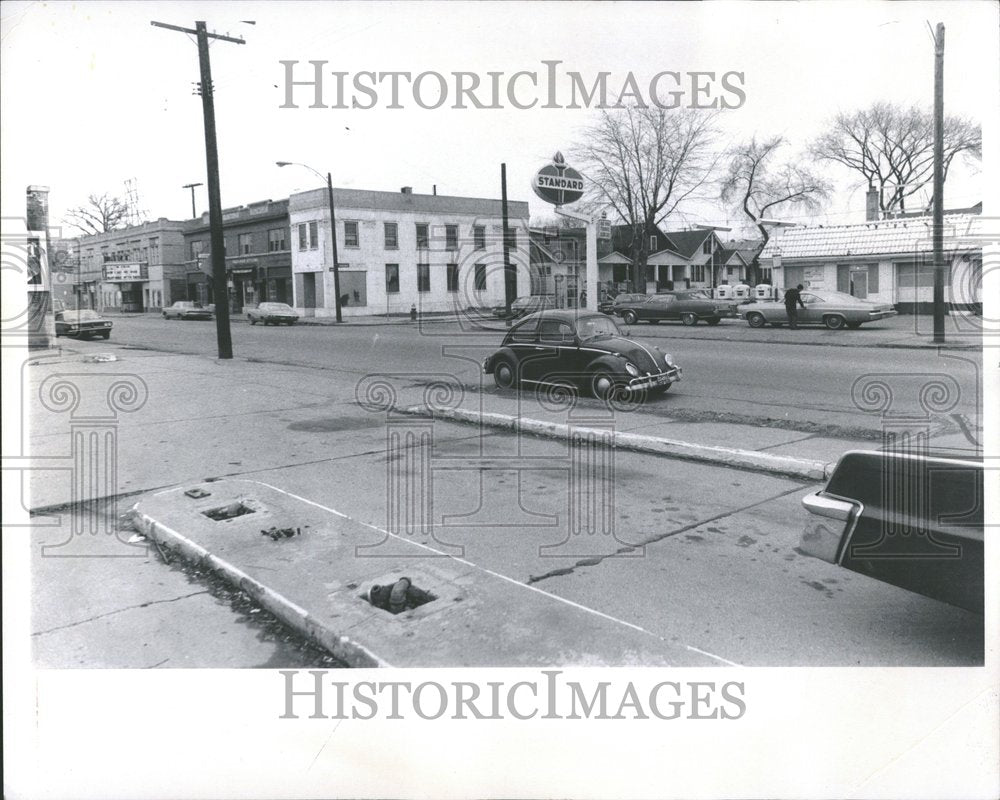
column 139, row 268
column 399, row 249
column 258, row 255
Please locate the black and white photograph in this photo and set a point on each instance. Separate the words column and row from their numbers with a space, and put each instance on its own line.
column 500, row 399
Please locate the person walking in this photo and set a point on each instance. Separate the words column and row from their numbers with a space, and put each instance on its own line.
column 793, row 299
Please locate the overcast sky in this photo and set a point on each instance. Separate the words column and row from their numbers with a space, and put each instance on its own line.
column 94, row 95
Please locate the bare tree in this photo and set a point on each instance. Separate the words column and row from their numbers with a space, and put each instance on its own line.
column 102, row 213
column 893, row 148
column 645, row 162
column 758, row 184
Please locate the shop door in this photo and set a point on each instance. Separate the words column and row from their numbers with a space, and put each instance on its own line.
column 859, row 284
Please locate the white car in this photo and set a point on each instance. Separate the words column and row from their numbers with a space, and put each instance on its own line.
column 272, row 314
column 187, row 309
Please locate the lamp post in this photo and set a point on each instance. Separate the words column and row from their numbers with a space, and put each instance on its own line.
column 333, row 229
column 712, row 228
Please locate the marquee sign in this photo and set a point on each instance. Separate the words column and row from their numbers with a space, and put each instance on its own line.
column 558, row 183
column 116, row 273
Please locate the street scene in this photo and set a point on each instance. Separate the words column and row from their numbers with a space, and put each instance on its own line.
column 559, row 343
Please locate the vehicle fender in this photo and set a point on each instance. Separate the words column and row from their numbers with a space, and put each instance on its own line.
column 503, row 352
column 612, row 363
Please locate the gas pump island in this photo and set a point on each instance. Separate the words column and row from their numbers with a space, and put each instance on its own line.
column 560, row 184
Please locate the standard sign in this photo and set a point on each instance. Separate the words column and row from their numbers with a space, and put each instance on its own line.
column 558, row 183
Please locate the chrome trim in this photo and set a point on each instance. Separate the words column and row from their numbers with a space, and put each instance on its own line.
column 818, row 503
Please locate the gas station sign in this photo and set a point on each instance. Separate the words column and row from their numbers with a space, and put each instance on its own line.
column 558, row 183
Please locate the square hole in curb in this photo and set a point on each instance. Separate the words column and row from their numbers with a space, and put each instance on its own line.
column 397, row 597
column 230, row 511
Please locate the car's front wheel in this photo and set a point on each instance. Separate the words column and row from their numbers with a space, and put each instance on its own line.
column 834, row 322
column 713, row 320
column 689, row 318
column 252, row 320
column 756, row 320
column 629, row 317
column 602, row 385
column 105, row 335
column 505, row 374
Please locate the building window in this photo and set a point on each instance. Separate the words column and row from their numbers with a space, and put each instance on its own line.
column 479, row 237
column 197, row 249
column 451, row 237
column 706, row 247
column 154, row 250
column 698, row 273
column 480, row 278
column 512, row 238
column 453, row 277
column 350, row 234
column 423, row 237
column 391, row 232
column 765, row 275
column 313, row 235
column 423, row 277
column 303, row 236
column 245, row 246
column 392, row 278
column 652, row 244
column 276, row 240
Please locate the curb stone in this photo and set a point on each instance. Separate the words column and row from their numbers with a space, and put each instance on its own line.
column 786, row 466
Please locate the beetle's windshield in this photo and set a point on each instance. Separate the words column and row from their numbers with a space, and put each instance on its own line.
column 591, row 327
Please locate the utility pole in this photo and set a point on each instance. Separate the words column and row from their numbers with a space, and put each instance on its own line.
column 220, row 288
column 939, row 184
column 191, row 187
column 509, row 278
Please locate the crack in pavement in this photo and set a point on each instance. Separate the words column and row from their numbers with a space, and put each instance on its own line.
column 118, row 611
column 594, row 561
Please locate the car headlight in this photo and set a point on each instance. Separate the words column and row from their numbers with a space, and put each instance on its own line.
column 631, row 369
column 668, row 359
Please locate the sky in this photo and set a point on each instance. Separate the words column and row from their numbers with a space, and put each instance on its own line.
column 94, row 95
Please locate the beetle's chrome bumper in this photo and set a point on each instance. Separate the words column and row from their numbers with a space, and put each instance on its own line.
column 652, row 381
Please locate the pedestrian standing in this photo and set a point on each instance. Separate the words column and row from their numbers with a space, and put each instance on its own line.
column 793, row 299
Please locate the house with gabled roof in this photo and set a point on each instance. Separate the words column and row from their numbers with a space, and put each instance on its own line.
column 887, row 261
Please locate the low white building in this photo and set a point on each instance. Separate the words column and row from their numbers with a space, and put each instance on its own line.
column 886, row 261
column 396, row 250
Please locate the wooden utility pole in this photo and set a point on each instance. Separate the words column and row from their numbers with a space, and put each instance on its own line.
column 219, row 283
column 509, row 276
column 939, row 184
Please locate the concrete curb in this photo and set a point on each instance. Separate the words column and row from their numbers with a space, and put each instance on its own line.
column 753, row 460
column 343, row 648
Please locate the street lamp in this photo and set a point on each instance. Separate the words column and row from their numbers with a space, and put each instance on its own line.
column 712, row 228
column 333, row 228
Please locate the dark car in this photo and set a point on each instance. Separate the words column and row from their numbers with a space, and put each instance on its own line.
column 688, row 307
column 915, row 521
column 615, row 304
column 523, row 305
column 588, row 350
column 83, row 324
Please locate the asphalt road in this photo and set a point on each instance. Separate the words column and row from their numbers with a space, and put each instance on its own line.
column 712, row 559
column 818, row 389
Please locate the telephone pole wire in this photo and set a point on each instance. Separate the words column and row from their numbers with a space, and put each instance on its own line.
column 219, row 284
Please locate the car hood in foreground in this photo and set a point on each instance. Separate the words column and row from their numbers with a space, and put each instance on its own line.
column 645, row 355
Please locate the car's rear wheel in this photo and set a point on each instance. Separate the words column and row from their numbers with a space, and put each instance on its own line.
column 165, row 315
column 629, row 317
column 834, row 322
column 689, row 319
column 756, row 320
column 713, row 320
column 505, row 374
column 251, row 320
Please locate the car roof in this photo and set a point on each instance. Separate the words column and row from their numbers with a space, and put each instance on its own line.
column 564, row 314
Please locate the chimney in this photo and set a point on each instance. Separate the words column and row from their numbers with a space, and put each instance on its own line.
column 871, row 205
column 407, row 190
column 435, row 190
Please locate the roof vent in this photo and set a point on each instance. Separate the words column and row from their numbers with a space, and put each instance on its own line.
column 407, row 190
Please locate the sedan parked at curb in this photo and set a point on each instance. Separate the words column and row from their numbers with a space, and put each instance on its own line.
column 187, row 309
column 615, row 305
column 836, row 310
column 688, row 307
column 523, row 305
column 272, row 314
column 559, row 348
column 915, row 521
column 83, row 324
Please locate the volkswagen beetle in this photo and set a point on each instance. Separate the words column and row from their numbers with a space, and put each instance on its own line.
column 585, row 349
